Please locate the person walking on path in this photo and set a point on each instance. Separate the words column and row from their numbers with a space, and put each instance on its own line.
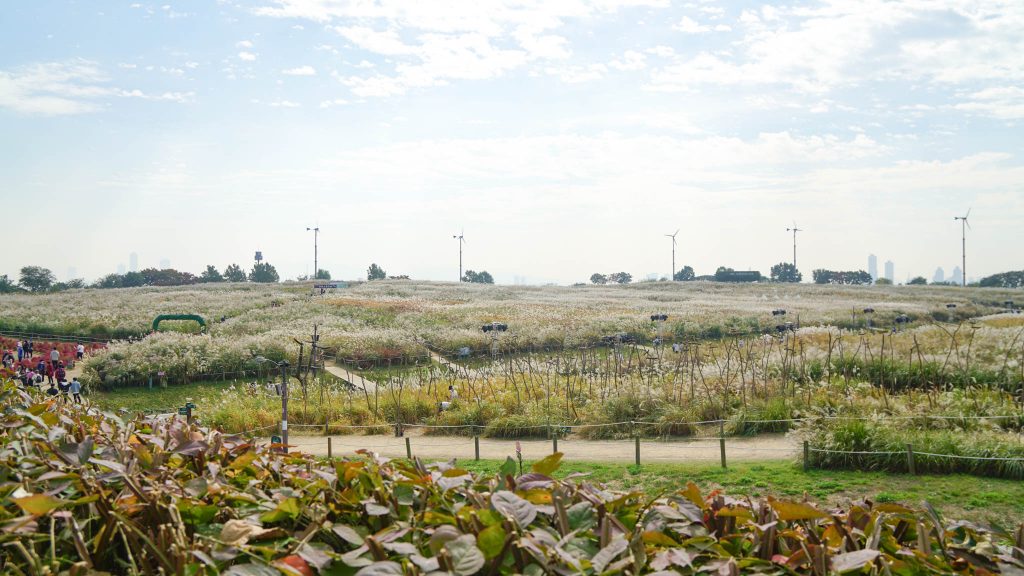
column 28, row 349
column 21, row 351
column 79, row 351
column 76, row 390
column 54, row 357
column 60, row 373
column 50, row 370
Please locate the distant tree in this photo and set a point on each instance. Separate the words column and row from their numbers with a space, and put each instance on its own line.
column 109, row 281
column 482, row 277
column 263, row 272
column 620, row 277
column 234, row 273
column 72, row 284
column 322, row 274
column 37, row 278
column 132, row 279
column 883, row 282
column 167, row 277
column 786, row 272
column 918, row 281
column 375, row 272
column 7, row 286
column 685, row 274
column 1004, row 280
column 211, row 275
column 598, row 278
column 822, row 276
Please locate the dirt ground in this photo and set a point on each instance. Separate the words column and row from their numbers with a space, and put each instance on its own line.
column 765, row 447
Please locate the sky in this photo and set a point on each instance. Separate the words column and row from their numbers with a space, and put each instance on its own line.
column 562, row 137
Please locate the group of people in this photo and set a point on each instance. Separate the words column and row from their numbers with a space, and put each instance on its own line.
column 53, row 371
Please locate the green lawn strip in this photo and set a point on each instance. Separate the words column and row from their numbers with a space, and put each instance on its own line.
column 158, row 398
column 988, row 500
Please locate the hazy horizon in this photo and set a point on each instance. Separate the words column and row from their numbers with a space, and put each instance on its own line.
column 563, row 138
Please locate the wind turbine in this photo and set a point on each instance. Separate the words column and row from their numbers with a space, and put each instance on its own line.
column 794, row 230
column 964, row 224
column 462, row 240
column 673, row 237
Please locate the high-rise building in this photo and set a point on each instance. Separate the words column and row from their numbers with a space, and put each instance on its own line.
column 165, row 263
column 940, row 275
column 133, row 262
column 873, row 267
column 890, row 270
column 957, row 277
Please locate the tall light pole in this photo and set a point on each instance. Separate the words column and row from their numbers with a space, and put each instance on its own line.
column 963, row 241
column 316, row 233
column 283, row 365
column 794, row 230
column 462, row 240
column 672, row 276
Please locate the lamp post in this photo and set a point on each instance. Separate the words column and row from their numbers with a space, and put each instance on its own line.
column 316, row 268
column 283, row 365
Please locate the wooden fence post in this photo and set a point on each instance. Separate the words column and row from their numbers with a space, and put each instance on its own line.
column 637, row 449
column 554, row 443
column 807, row 455
column 721, row 441
column 910, row 460
column 330, row 452
column 476, row 446
column 408, row 448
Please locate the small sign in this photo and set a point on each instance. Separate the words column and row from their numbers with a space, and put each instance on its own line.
column 331, row 286
column 275, row 439
column 189, row 405
column 182, row 411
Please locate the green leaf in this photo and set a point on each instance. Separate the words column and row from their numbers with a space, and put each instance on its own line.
column 491, row 541
column 548, row 464
column 197, row 514
column 466, row 557
column 39, row 504
column 514, row 507
column 404, row 494
column 242, row 461
column 508, row 468
column 286, row 509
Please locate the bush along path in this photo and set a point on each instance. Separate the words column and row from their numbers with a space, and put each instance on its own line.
column 82, row 491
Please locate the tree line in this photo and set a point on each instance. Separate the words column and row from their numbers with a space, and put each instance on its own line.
column 39, row 279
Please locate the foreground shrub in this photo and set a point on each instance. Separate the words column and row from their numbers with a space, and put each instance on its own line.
column 882, row 445
column 84, row 492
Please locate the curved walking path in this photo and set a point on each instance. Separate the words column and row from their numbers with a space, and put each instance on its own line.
column 759, row 448
column 352, row 378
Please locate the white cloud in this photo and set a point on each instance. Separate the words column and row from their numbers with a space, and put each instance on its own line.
column 65, row 88
column 300, row 71
column 691, row 26
column 243, row 44
column 247, row 56
column 53, row 88
column 432, row 47
column 285, row 104
column 334, row 102
column 1004, row 102
column 630, row 60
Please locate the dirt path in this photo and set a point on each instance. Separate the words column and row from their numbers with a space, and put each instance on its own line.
column 766, row 447
column 352, row 378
